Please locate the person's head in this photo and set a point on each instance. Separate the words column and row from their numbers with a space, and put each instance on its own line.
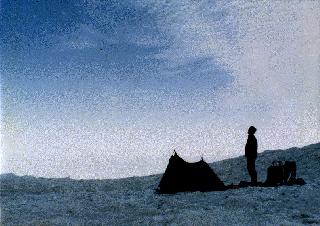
column 252, row 130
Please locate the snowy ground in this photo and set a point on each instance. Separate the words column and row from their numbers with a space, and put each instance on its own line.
column 38, row 201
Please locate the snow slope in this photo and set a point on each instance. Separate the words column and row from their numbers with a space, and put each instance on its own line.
column 28, row 200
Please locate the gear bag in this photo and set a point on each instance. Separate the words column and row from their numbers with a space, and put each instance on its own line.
column 280, row 173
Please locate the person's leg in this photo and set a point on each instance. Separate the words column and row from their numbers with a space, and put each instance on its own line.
column 251, row 170
column 249, row 167
column 254, row 172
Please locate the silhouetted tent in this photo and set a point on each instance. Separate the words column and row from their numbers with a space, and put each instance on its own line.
column 183, row 176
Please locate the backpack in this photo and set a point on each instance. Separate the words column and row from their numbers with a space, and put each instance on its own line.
column 280, row 173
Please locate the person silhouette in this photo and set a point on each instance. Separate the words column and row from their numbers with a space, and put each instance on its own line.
column 251, row 154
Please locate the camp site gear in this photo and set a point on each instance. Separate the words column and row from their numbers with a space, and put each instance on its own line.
column 280, row 173
column 183, row 176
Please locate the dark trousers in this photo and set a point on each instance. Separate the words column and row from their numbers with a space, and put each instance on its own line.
column 251, row 166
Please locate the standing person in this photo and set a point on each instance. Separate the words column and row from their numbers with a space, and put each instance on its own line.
column 251, row 154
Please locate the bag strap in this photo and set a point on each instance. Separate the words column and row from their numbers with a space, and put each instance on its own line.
column 277, row 163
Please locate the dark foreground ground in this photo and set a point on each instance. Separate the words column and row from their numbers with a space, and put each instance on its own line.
column 38, row 201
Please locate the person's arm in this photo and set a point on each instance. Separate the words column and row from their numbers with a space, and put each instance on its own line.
column 247, row 149
column 255, row 147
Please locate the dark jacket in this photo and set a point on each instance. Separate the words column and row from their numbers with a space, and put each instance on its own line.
column 251, row 147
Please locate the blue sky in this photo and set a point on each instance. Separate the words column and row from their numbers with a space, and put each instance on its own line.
column 94, row 89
